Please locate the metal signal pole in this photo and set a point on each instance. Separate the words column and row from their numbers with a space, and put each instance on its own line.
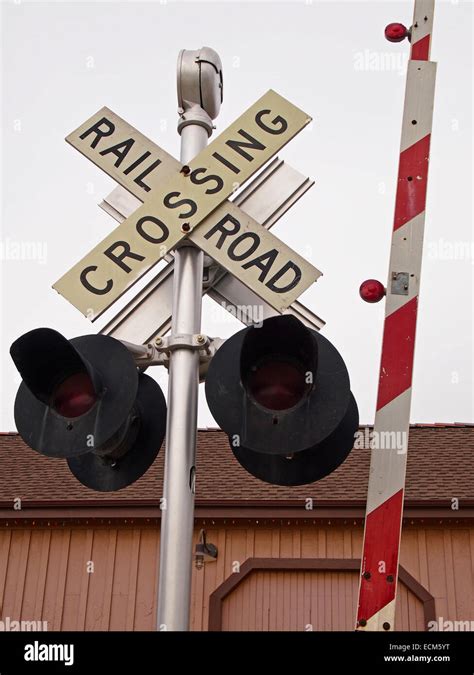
column 199, row 97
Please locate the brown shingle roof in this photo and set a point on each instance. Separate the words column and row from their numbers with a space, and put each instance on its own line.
column 440, row 467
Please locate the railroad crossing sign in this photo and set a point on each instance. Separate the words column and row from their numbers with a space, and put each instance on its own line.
column 266, row 198
column 191, row 201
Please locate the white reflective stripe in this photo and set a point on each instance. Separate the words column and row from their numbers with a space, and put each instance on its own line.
column 388, row 465
column 422, row 27
column 419, row 100
column 406, row 256
column 385, row 615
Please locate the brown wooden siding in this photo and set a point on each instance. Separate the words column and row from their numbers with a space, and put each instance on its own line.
column 43, row 576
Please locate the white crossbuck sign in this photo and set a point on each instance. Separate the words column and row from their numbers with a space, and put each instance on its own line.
column 164, row 202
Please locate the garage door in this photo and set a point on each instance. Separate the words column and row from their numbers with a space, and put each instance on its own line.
column 301, row 600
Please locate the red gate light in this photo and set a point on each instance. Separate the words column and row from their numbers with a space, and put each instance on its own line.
column 396, row 32
column 371, row 290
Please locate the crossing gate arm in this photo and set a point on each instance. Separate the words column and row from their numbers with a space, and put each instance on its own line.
column 384, row 510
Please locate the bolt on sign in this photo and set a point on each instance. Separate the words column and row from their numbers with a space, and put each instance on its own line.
column 188, row 201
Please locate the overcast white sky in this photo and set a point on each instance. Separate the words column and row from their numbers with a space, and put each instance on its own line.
column 62, row 61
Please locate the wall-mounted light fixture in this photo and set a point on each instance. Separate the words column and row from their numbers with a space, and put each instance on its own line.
column 204, row 552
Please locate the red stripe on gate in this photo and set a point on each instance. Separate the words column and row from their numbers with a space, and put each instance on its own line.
column 398, row 348
column 420, row 51
column 412, row 180
column 380, row 556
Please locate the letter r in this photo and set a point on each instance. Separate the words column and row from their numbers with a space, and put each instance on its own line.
column 99, row 133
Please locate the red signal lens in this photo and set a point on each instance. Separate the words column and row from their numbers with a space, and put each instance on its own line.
column 395, row 32
column 371, row 290
column 277, row 385
column 74, row 396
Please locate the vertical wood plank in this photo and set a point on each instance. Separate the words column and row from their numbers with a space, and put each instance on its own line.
column 248, row 596
column 145, row 602
column 307, row 611
column 52, row 574
column 322, row 548
column 237, row 549
column 21, row 577
column 31, row 576
column 309, row 542
column 463, row 574
column 357, row 537
column 471, row 548
column 121, row 579
column 75, row 572
column 133, row 579
column 449, row 570
column 266, row 601
column 227, row 609
column 215, row 573
column 319, row 580
column 86, row 575
column 404, row 608
column 420, row 616
column 409, row 555
column 273, row 582
column 62, row 574
column 282, row 581
column 436, row 569
column 423, row 558
column 5, row 539
column 252, row 615
column 10, row 601
column 263, row 543
column 96, row 588
column 297, row 543
column 42, row 572
column 398, row 612
column 260, row 590
column 109, row 578
column 197, row 584
column 296, row 604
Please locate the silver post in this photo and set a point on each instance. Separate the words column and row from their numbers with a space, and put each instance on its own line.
column 199, row 97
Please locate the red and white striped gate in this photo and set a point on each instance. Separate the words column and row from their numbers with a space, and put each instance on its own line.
column 378, row 582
